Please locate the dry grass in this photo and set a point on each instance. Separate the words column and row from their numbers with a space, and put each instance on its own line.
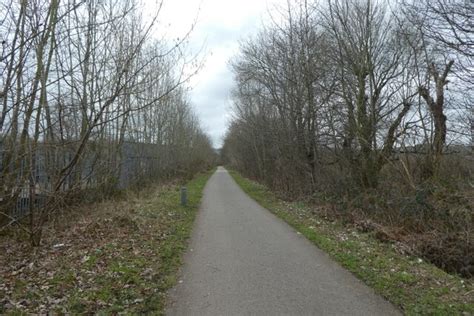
column 416, row 286
column 114, row 256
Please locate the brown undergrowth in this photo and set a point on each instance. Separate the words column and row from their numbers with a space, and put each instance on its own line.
column 430, row 214
column 115, row 256
column 370, row 251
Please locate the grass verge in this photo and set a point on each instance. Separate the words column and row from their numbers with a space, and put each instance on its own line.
column 417, row 287
column 117, row 256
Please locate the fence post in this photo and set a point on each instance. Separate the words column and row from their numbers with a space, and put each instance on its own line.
column 184, row 196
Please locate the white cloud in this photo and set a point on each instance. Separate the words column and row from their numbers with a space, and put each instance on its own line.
column 219, row 26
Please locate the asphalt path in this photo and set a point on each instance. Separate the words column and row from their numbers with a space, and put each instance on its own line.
column 242, row 260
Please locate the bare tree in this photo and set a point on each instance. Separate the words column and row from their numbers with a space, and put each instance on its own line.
column 79, row 81
column 370, row 59
column 442, row 36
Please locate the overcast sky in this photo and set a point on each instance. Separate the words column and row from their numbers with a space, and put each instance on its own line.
column 220, row 24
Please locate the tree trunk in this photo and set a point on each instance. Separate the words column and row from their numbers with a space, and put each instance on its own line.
column 436, row 108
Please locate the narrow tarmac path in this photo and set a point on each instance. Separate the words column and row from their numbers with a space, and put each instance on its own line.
column 242, row 260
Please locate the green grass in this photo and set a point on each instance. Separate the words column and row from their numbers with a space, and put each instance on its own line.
column 416, row 287
column 174, row 246
column 122, row 257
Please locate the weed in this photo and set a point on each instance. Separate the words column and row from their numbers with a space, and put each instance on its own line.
column 417, row 287
column 121, row 257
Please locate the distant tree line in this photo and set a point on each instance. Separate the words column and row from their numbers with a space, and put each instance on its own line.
column 344, row 97
column 78, row 80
